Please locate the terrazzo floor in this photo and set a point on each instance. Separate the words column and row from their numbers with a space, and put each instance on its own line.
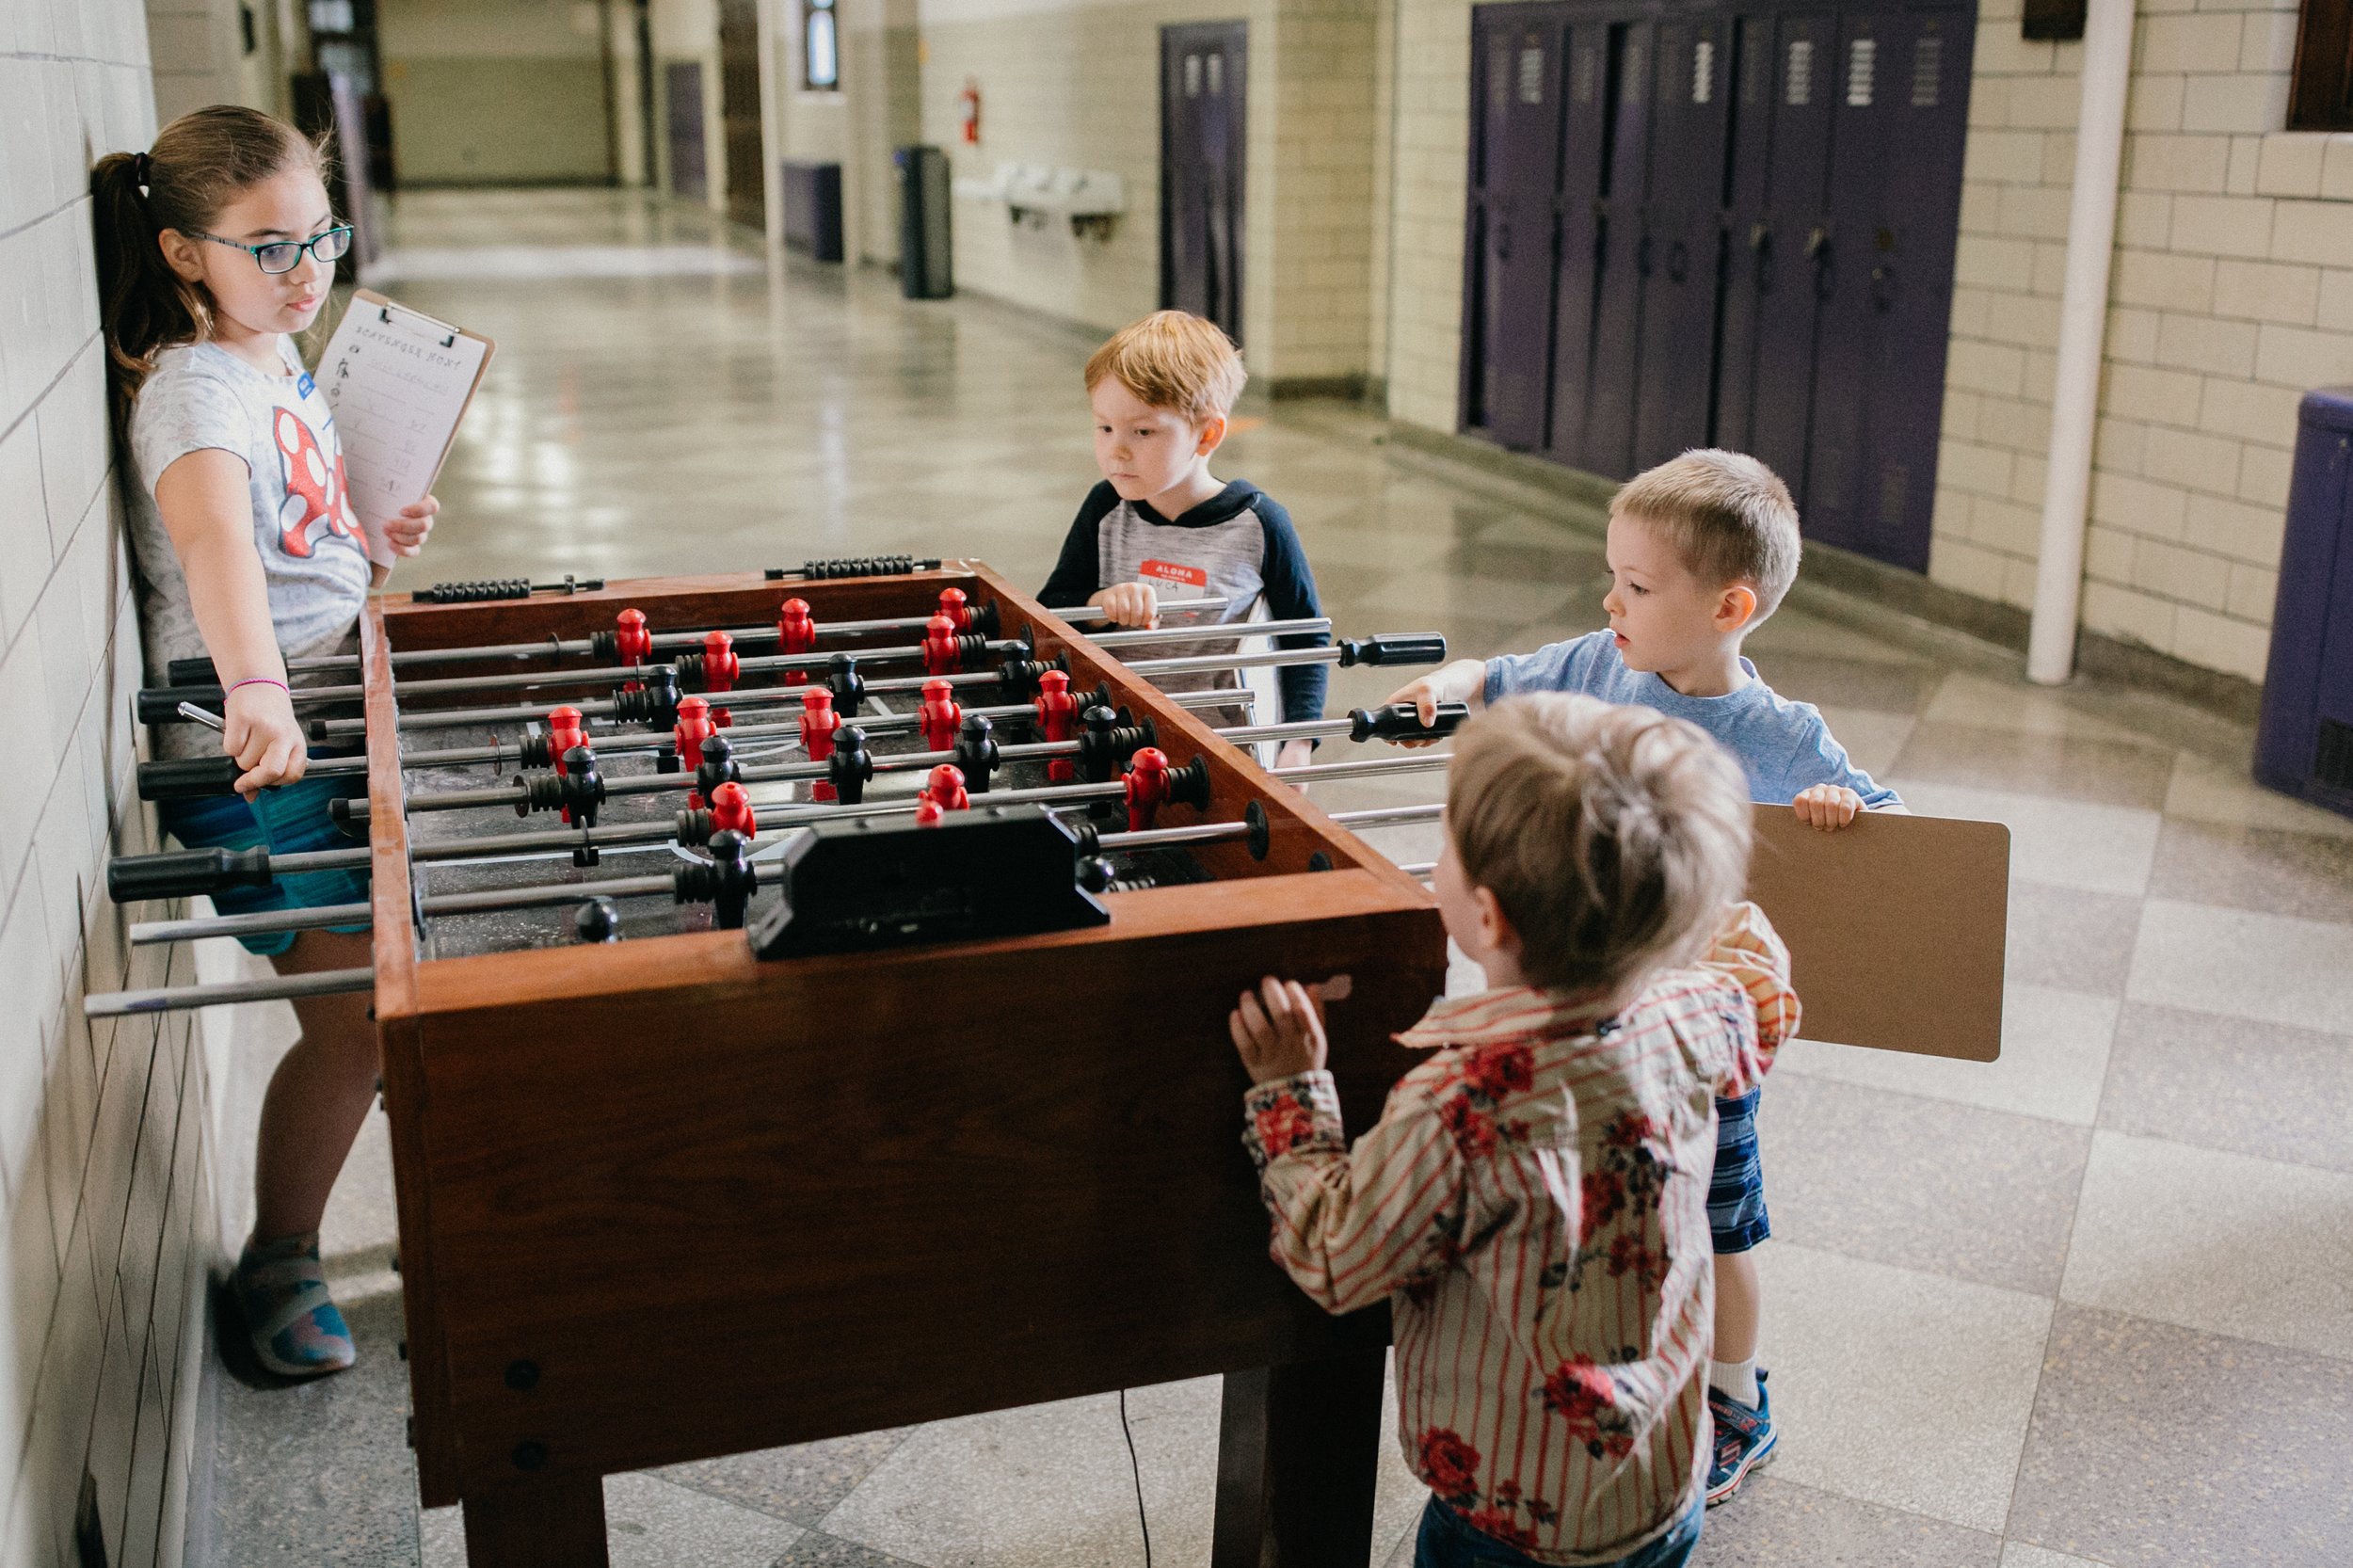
column 2088, row 1305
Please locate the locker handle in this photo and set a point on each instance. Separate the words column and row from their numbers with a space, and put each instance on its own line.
column 1883, row 287
column 1819, row 241
column 1760, row 235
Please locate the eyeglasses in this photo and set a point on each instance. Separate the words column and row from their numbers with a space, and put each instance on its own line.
column 285, row 255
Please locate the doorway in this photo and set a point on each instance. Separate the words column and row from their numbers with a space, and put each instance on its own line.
column 738, row 113
column 683, row 115
column 1203, row 144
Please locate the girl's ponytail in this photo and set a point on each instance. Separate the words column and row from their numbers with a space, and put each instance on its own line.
column 202, row 162
column 145, row 305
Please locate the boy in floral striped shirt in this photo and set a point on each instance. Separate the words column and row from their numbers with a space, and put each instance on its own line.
column 1533, row 1201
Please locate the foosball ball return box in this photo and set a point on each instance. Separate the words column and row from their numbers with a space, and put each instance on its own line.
column 663, row 1199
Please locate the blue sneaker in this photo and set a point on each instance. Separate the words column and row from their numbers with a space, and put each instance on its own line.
column 282, row 1287
column 1745, row 1439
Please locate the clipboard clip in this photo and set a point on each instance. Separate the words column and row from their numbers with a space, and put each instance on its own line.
column 384, row 314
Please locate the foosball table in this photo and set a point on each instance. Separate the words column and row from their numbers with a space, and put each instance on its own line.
column 837, row 1042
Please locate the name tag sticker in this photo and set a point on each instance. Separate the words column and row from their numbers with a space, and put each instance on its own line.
column 305, row 385
column 1170, row 571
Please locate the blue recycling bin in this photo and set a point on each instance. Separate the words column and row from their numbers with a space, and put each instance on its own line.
column 2304, row 741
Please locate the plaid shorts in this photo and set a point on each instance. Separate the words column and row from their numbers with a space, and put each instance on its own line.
column 1735, row 1194
column 290, row 820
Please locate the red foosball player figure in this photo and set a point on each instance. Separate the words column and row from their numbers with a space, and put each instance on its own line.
column 1058, row 717
column 818, row 723
column 633, row 642
column 694, row 728
column 796, row 634
column 957, row 606
column 927, row 811
column 943, row 649
column 721, row 670
column 939, row 716
column 731, row 810
column 564, row 733
column 944, row 788
column 1147, row 787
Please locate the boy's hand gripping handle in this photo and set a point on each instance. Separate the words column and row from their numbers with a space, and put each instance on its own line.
column 1402, row 721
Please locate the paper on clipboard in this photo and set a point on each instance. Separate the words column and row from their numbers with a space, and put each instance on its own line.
column 398, row 382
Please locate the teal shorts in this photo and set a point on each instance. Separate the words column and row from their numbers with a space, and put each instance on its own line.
column 290, row 820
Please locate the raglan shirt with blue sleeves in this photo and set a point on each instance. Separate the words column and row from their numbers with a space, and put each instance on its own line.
column 1238, row 543
column 1784, row 747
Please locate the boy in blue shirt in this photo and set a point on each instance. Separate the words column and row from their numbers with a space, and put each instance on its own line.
column 1700, row 551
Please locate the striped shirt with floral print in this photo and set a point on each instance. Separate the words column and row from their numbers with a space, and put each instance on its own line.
column 1533, row 1202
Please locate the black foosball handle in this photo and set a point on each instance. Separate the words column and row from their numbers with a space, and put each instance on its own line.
column 189, row 777
column 185, row 873
column 1393, row 648
column 197, row 671
column 161, row 704
column 1402, row 721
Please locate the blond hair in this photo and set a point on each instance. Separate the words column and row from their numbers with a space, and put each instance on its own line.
column 1171, row 359
column 1727, row 515
column 1611, row 837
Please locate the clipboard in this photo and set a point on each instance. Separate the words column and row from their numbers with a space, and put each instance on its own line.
column 397, row 381
column 1896, row 928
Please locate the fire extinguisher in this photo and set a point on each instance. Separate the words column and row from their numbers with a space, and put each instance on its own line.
column 969, row 111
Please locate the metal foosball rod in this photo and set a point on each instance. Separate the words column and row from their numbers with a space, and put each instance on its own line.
column 1106, row 744
column 275, row 922
column 200, row 671
column 650, row 706
column 200, row 778
column 162, row 704
column 283, row 987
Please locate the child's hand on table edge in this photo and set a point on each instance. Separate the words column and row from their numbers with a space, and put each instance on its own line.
column 1279, row 1030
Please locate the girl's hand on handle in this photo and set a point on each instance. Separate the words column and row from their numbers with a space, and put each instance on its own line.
column 1130, row 605
column 262, row 734
column 1464, row 680
column 1279, row 1031
column 405, row 533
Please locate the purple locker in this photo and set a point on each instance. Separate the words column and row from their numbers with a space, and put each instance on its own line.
column 1202, row 147
column 1516, row 167
column 2304, row 744
column 1683, row 234
column 1776, row 222
column 1607, row 446
column 1586, row 120
column 1884, row 278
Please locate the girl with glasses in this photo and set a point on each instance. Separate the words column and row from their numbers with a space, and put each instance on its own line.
column 215, row 247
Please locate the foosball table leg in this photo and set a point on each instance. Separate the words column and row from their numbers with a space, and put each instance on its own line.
column 1298, row 1462
column 555, row 1523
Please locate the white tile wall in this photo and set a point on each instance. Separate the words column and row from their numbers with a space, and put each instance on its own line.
column 105, row 1150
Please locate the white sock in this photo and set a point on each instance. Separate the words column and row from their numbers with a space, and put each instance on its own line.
column 1735, row 1380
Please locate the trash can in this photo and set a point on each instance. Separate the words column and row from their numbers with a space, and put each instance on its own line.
column 2304, row 741
column 923, row 261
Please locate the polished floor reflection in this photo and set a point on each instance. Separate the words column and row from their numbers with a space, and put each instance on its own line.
column 2088, row 1305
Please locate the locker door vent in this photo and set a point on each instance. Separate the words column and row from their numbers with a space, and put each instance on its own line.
column 1532, row 74
column 1192, row 75
column 1927, row 69
column 1799, row 91
column 1217, row 74
column 1863, row 57
column 2332, row 756
column 1703, row 70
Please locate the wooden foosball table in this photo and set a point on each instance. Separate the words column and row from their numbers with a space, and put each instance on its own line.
column 738, row 1102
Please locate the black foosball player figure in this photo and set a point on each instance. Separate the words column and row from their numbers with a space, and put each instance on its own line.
column 1160, row 528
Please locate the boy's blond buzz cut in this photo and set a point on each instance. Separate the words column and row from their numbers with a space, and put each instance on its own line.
column 1175, row 361
column 1727, row 515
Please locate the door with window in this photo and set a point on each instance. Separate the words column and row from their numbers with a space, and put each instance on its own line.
column 1203, row 142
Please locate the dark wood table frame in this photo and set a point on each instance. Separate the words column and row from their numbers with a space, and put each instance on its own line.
column 660, row 1201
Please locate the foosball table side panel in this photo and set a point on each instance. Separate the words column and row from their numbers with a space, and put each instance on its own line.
column 718, row 1205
